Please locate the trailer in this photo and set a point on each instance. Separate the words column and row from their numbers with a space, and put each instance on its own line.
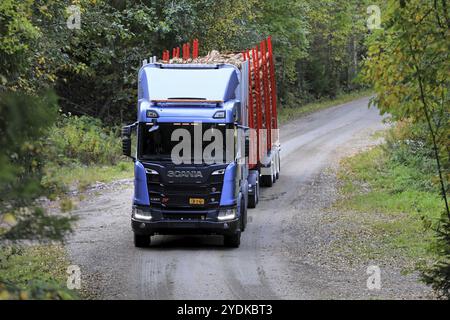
column 207, row 139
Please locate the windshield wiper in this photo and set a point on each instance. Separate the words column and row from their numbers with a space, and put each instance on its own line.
column 185, row 98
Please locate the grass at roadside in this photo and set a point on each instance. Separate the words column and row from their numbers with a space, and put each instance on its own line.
column 76, row 176
column 393, row 209
column 289, row 113
column 34, row 272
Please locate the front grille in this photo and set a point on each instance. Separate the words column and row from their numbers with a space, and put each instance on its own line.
column 177, row 196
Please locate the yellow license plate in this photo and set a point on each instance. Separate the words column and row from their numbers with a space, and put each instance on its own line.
column 196, row 201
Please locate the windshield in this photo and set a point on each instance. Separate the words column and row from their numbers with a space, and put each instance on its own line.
column 187, row 142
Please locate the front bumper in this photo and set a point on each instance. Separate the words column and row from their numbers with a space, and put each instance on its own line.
column 163, row 224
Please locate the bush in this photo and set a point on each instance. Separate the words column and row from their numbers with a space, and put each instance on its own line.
column 24, row 122
column 409, row 150
column 83, row 140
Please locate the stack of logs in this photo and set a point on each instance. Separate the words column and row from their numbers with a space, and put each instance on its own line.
column 262, row 97
column 213, row 57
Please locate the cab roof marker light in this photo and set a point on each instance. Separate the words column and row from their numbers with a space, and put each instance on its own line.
column 151, row 171
column 219, row 115
column 152, row 114
column 218, row 172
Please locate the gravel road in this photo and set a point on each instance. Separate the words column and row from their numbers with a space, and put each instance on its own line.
column 284, row 250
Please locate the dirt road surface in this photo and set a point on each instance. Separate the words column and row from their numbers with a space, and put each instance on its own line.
column 284, row 252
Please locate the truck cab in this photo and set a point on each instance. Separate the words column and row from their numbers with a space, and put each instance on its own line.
column 190, row 164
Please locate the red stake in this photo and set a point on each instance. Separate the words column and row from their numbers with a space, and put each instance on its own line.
column 255, row 56
column 273, row 83
column 165, row 55
column 195, row 49
column 251, row 115
column 268, row 114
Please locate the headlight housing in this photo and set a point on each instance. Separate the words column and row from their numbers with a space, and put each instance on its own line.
column 226, row 214
column 151, row 171
column 218, row 172
column 140, row 214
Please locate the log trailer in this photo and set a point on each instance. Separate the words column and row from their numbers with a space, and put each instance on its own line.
column 206, row 140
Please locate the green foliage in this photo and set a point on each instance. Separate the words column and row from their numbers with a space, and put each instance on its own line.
column 60, row 179
column 439, row 276
column 397, row 176
column 17, row 31
column 94, row 69
column 336, row 46
column 24, row 120
column 37, row 272
column 389, row 192
column 81, row 151
column 83, row 140
column 412, row 44
column 408, row 63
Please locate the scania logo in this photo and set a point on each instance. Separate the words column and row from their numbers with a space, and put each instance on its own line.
column 184, row 174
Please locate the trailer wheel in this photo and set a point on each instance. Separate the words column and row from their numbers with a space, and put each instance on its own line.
column 141, row 241
column 257, row 190
column 232, row 240
column 278, row 168
column 267, row 180
column 253, row 199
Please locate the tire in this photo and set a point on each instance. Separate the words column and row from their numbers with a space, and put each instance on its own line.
column 267, row 181
column 243, row 217
column 257, row 192
column 277, row 176
column 232, row 240
column 141, row 241
column 253, row 200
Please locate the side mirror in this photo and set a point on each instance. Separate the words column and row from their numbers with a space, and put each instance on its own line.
column 126, row 131
column 126, row 146
column 126, row 140
column 237, row 112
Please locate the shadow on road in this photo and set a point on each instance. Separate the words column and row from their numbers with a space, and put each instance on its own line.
column 187, row 242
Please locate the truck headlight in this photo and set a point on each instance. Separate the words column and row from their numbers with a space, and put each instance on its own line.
column 140, row 214
column 226, row 214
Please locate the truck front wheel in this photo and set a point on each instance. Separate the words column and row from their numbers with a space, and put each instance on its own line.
column 232, row 240
column 243, row 216
column 141, row 241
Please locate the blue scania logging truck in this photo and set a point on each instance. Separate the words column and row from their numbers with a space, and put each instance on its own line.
column 201, row 189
